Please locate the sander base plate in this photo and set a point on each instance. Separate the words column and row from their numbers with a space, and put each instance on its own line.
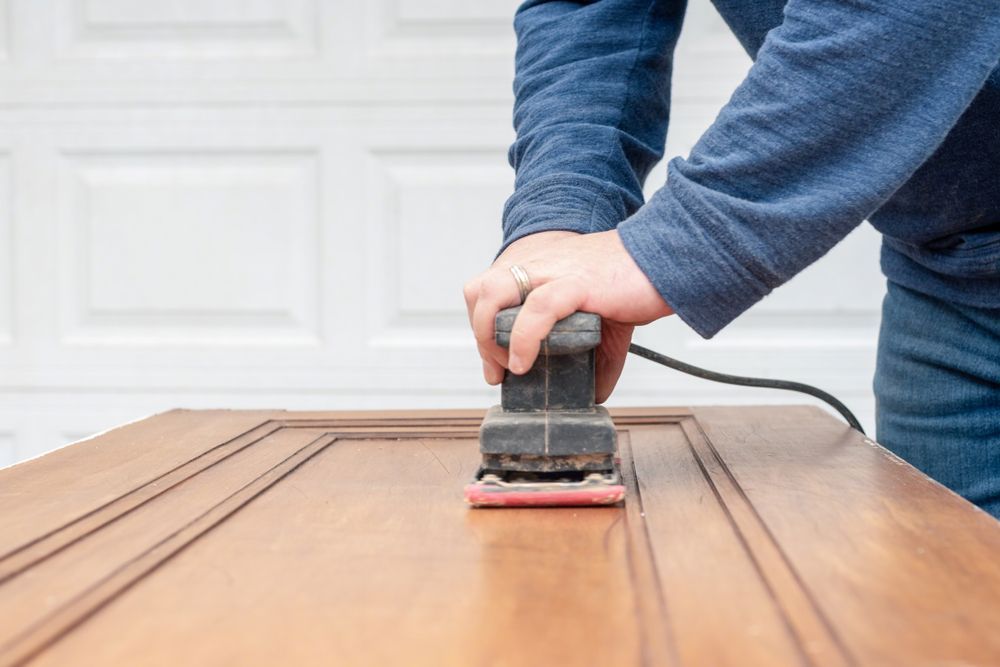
column 512, row 489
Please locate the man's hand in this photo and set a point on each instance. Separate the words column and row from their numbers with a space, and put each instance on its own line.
column 569, row 272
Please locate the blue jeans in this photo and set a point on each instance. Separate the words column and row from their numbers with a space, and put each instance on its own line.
column 937, row 391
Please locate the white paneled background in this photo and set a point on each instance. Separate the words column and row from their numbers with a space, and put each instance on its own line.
column 274, row 203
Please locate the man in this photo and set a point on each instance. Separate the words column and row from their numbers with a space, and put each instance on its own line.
column 887, row 110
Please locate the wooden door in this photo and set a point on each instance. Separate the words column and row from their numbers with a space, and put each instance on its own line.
column 750, row 536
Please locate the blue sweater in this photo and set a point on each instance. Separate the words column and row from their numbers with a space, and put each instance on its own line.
column 887, row 110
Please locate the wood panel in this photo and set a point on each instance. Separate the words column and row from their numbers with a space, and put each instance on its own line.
column 749, row 536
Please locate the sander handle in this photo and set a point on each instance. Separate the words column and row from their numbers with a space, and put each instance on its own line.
column 579, row 332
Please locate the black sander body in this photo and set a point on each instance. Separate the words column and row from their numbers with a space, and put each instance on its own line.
column 547, row 443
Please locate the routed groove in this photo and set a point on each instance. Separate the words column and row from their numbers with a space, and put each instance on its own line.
column 813, row 632
column 27, row 555
column 49, row 629
column 36, row 551
column 721, row 612
column 379, row 426
column 658, row 646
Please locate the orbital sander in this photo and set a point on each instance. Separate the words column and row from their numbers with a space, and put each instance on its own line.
column 547, row 443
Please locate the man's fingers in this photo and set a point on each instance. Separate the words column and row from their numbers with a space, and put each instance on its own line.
column 471, row 294
column 544, row 306
column 493, row 356
column 492, row 371
column 494, row 361
column 497, row 290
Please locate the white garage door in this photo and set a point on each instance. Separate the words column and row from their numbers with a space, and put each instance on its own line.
column 274, row 203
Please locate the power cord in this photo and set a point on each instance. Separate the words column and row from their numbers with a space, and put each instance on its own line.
column 725, row 378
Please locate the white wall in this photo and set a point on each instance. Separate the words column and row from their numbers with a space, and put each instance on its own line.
column 274, row 203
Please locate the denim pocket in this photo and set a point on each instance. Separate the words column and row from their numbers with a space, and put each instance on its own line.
column 972, row 254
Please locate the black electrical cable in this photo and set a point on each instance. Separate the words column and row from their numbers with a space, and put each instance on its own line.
column 670, row 362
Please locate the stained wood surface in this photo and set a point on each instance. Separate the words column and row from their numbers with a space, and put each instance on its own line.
column 750, row 536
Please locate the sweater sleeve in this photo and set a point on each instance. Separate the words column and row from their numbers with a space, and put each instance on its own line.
column 847, row 98
column 592, row 95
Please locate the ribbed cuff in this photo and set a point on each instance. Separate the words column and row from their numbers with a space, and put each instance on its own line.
column 562, row 202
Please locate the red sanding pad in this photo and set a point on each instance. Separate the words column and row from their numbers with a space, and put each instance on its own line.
column 485, row 495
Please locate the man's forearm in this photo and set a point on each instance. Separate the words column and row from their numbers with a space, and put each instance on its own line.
column 591, row 110
column 846, row 100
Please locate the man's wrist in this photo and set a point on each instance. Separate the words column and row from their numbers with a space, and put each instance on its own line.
column 566, row 202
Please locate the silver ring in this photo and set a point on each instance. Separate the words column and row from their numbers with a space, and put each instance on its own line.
column 522, row 280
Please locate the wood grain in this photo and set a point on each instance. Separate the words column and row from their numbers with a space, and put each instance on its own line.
column 750, row 536
column 907, row 571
